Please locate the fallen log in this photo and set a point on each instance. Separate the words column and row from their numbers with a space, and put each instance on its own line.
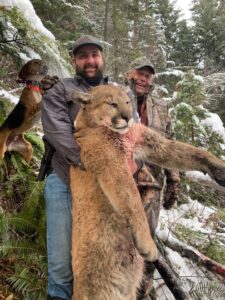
column 170, row 280
column 167, row 274
column 196, row 256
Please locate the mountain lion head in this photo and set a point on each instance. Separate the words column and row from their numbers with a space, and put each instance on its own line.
column 105, row 105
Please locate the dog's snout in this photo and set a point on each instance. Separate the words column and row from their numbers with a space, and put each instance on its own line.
column 44, row 70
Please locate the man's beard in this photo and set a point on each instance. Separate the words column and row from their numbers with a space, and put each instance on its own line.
column 98, row 72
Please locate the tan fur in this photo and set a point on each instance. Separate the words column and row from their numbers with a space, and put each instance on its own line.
column 27, row 111
column 110, row 234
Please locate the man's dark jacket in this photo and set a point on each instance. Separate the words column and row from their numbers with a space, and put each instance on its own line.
column 58, row 114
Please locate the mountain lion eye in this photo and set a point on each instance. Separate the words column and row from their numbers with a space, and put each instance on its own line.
column 113, row 105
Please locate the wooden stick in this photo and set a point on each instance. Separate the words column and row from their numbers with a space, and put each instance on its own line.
column 197, row 257
column 172, row 282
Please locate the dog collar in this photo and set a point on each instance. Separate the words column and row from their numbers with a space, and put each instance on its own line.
column 32, row 84
column 34, row 87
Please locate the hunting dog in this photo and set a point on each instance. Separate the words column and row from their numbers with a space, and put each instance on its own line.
column 26, row 113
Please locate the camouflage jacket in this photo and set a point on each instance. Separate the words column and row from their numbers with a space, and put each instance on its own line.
column 154, row 113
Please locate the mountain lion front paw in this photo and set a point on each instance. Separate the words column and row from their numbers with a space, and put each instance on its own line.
column 218, row 173
column 147, row 248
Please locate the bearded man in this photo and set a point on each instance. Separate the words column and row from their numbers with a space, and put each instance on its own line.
column 58, row 115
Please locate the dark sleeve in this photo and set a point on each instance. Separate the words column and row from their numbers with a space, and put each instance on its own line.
column 57, row 125
column 171, row 175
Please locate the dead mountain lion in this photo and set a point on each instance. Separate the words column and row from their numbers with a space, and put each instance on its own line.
column 110, row 231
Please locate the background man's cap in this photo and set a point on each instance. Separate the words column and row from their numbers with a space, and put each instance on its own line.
column 141, row 62
column 84, row 41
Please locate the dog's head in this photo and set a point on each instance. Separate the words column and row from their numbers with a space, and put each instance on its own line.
column 34, row 69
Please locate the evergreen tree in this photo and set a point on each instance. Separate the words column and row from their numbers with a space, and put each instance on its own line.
column 220, row 29
column 215, row 89
column 189, row 115
column 131, row 28
column 132, row 32
column 168, row 17
column 209, row 19
column 187, row 123
column 191, row 89
column 185, row 51
column 144, row 33
column 119, row 38
column 67, row 20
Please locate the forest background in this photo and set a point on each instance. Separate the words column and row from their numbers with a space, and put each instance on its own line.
column 189, row 57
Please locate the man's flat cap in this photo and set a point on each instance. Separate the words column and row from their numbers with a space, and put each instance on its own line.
column 84, row 41
column 140, row 63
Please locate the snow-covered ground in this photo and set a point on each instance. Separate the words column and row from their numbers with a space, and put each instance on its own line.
column 9, row 96
column 195, row 217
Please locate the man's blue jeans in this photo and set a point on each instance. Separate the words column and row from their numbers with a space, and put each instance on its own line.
column 59, row 222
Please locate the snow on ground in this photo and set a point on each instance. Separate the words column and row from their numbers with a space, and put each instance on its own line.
column 194, row 216
column 187, row 271
column 198, row 175
column 9, row 96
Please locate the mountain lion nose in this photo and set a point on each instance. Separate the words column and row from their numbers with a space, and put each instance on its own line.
column 126, row 118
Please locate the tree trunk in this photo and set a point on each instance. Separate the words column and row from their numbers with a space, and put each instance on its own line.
column 136, row 22
column 106, row 20
column 115, row 41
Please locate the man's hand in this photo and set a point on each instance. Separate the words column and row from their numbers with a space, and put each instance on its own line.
column 48, row 82
column 171, row 194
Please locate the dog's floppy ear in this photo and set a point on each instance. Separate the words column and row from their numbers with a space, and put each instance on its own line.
column 23, row 72
column 81, row 98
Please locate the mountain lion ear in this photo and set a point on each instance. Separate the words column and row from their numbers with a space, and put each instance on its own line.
column 81, row 98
